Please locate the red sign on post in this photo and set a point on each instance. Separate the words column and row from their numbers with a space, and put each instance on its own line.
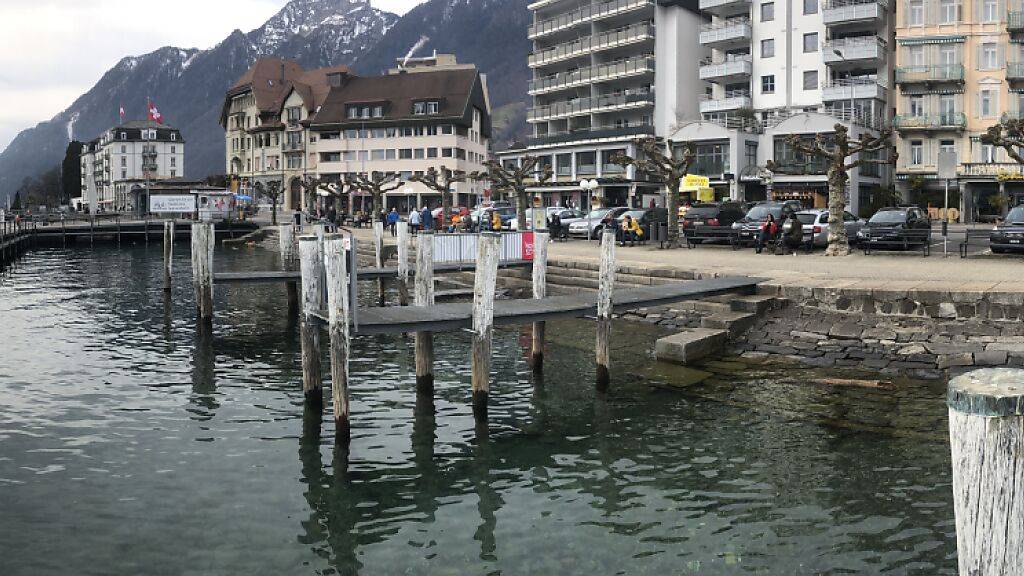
column 527, row 245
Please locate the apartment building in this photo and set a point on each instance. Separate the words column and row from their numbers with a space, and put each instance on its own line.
column 426, row 113
column 790, row 67
column 960, row 70
column 266, row 121
column 118, row 166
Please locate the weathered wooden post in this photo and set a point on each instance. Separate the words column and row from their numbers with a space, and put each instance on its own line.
column 202, row 268
column 488, row 251
column 403, row 263
column 311, row 263
column 540, row 291
column 286, row 243
column 606, row 284
column 424, row 296
column 335, row 256
column 378, row 258
column 168, row 253
column 986, row 431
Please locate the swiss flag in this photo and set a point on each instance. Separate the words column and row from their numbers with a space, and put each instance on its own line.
column 120, row 111
column 154, row 114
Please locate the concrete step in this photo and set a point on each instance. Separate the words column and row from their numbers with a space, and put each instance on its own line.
column 710, row 307
column 691, row 345
column 734, row 322
column 754, row 304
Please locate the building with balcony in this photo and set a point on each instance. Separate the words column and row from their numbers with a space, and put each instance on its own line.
column 435, row 114
column 958, row 72
column 118, row 166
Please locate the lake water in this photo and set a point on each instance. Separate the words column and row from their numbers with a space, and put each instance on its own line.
column 129, row 447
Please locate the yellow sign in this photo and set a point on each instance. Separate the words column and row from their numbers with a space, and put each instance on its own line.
column 706, row 195
column 691, row 182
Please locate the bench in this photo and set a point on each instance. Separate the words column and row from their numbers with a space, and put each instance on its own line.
column 973, row 233
column 920, row 239
column 697, row 234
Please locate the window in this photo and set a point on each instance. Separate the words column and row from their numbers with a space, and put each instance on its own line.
column 124, row 174
column 174, row 173
column 987, row 103
column 173, row 161
column 294, row 113
column 378, row 111
column 767, row 12
column 768, row 48
column 915, row 13
column 916, row 152
column 948, row 146
column 419, row 108
column 810, row 79
column 988, row 153
column 433, row 107
column 989, row 56
column 447, row 152
column 711, row 159
column 173, row 149
column 447, row 129
column 124, row 136
column 947, row 54
column 378, row 155
column 916, row 105
column 990, row 11
column 750, row 152
column 810, row 42
column 418, row 153
column 949, row 11
column 173, row 136
column 431, row 152
column 810, row 6
column 768, row 84
column 124, row 161
column 330, row 156
column 124, row 149
column 947, row 108
column 295, row 162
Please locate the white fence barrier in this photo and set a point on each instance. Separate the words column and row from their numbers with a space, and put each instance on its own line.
column 452, row 248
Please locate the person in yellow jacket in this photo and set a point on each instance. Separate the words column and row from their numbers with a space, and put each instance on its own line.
column 495, row 221
column 631, row 230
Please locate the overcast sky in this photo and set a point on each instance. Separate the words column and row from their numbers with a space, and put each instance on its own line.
column 55, row 50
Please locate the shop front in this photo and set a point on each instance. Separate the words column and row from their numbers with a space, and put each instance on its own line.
column 809, row 195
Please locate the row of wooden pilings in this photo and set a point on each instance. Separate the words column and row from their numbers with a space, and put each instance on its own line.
column 15, row 238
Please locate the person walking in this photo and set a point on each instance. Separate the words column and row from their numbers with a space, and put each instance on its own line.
column 393, row 222
column 425, row 219
column 414, row 221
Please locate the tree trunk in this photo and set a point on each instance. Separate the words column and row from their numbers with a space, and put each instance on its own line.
column 521, row 203
column 273, row 211
column 672, row 206
column 446, row 208
column 377, row 206
column 838, row 242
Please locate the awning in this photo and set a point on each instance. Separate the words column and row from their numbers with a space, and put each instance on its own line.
column 931, row 40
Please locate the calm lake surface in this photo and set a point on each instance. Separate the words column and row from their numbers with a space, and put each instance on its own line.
column 129, row 447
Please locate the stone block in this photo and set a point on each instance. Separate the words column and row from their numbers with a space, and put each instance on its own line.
column 990, row 358
column 949, row 360
column 735, row 322
column 687, row 347
column 1016, row 348
column 846, row 331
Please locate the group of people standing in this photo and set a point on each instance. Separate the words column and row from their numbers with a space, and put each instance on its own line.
column 421, row 219
column 786, row 233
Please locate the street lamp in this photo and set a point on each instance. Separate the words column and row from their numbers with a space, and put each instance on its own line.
column 589, row 186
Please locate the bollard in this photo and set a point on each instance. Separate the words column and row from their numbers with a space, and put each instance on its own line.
column 488, row 252
column 202, row 269
column 378, row 258
column 168, row 253
column 403, row 263
column 986, row 431
column 606, row 284
column 311, row 264
column 335, row 256
column 540, row 291
column 424, row 297
column 286, row 243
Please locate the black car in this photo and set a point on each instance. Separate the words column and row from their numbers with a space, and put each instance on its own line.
column 902, row 226
column 1010, row 234
column 712, row 214
column 750, row 225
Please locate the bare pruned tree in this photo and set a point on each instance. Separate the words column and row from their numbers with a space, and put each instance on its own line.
column 310, row 186
column 838, row 150
column 376, row 184
column 658, row 162
column 514, row 180
column 272, row 191
column 1008, row 135
column 441, row 180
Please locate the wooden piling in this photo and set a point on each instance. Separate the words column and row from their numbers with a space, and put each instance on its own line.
column 335, row 257
column 202, row 268
column 986, row 431
column 606, row 284
column 311, row 266
column 540, row 291
column 424, row 296
column 378, row 258
column 286, row 242
column 92, row 228
column 488, row 252
column 403, row 263
column 168, row 253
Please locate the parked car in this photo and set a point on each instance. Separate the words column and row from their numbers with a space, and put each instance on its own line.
column 817, row 221
column 750, row 225
column 474, row 215
column 1009, row 235
column 567, row 216
column 593, row 223
column 896, row 226
column 712, row 214
column 507, row 214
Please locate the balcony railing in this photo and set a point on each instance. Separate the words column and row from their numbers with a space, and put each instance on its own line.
column 724, row 7
column 729, row 31
column 853, row 50
column 585, row 14
column 605, row 40
column 930, row 73
column 840, row 12
column 583, row 76
column 951, row 121
column 1015, row 21
column 591, row 133
column 1015, row 70
column 726, row 69
column 583, row 106
column 988, row 169
column 856, row 88
column 1011, row 115
column 731, row 100
column 293, row 146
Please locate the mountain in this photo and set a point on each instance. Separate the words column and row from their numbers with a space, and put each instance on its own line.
column 188, row 85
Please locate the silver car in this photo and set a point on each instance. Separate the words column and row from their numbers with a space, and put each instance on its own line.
column 816, row 221
column 590, row 226
column 566, row 215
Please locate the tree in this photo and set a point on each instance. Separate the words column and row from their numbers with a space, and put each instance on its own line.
column 440, row 181
column 663, row 166
column 271, row 191
column 836, row 149
column 376, row 184
column 71, row 172
column 514, row 180
column 311, row 186
column 1008, row 135
column 16, row 202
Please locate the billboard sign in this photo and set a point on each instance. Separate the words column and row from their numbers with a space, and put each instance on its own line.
column 172, row 203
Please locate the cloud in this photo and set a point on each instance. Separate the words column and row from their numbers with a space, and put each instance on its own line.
column 55, row 50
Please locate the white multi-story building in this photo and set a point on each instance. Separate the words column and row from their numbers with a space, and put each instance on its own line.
column 117, row 166
column 734, row 78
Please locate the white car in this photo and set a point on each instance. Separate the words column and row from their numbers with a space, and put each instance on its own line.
column 816, row 221
column 566, row 215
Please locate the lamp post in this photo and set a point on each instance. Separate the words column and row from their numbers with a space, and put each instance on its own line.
column 589, row 186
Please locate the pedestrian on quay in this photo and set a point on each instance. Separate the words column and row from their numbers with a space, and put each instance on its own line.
column 792, row 234
column 393, row 222
column 495, row 221
column 414, row 221
column 766, row 234
column 425, row 219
